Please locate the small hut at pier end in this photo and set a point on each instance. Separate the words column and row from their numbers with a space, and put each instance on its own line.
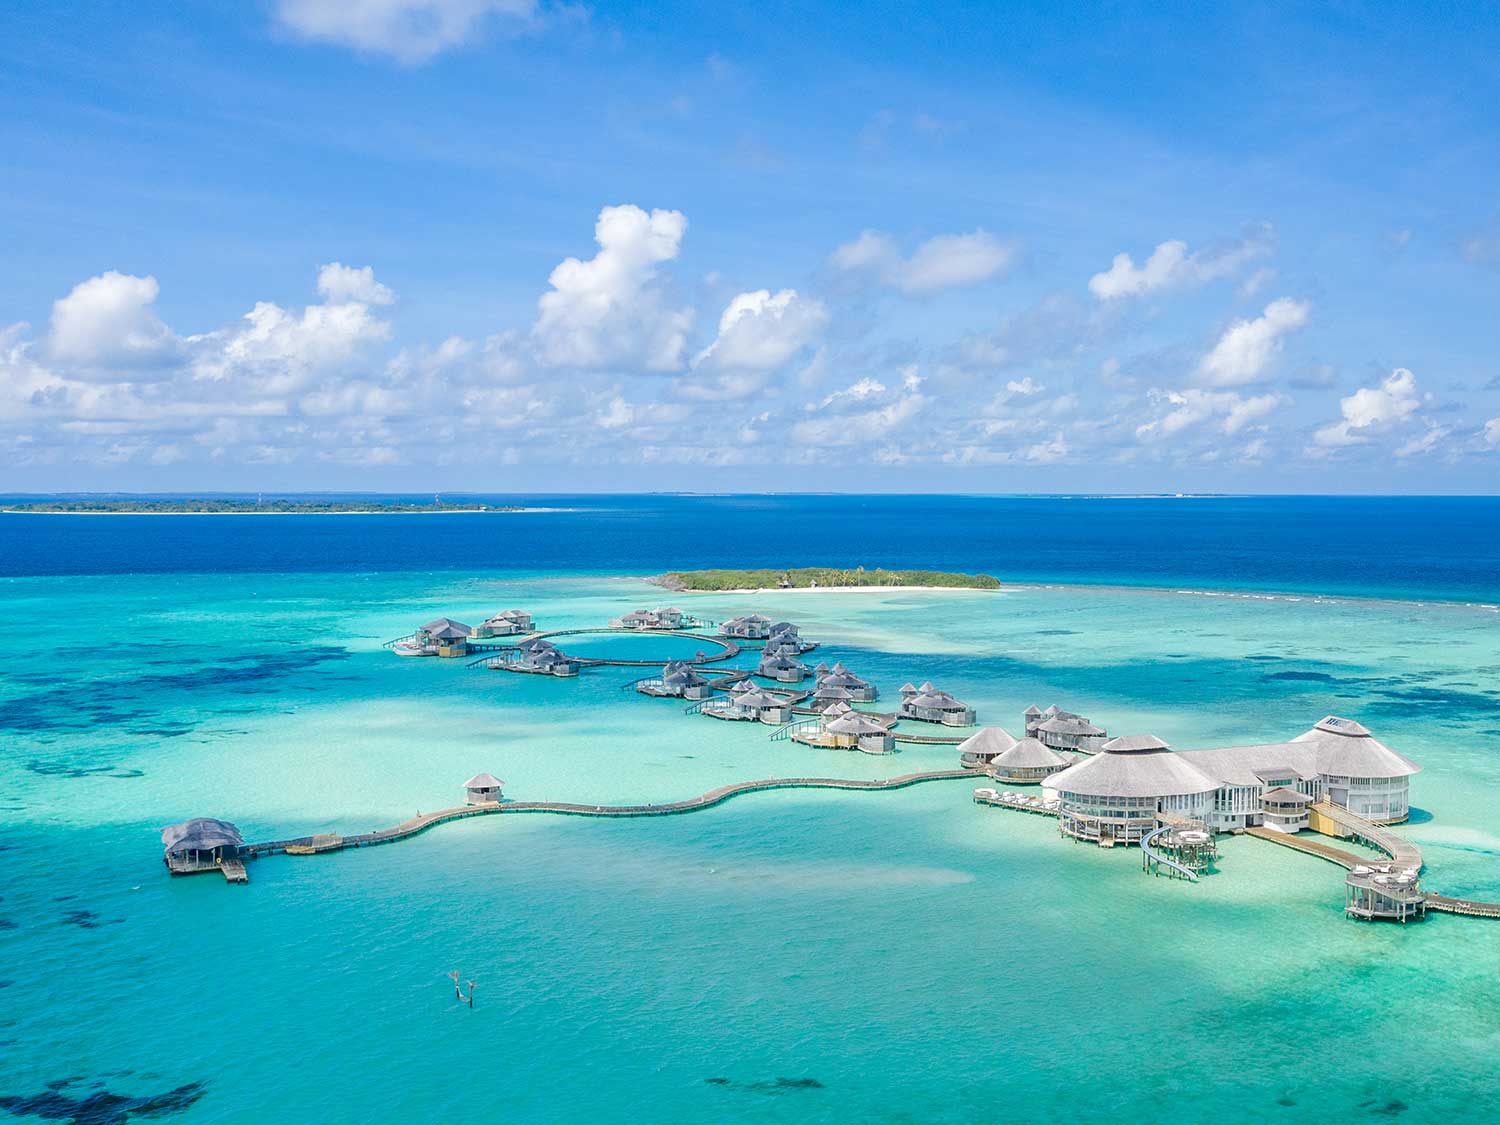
column 200, row 844
column 443, row 637
column 859, row 689
column 1028, row 762
column 928, row 705
column 482, row 789
column 506, row 623
column 751, row 627
column 978, row 750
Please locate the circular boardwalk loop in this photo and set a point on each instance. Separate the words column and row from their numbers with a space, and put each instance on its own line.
column 728, row 648
column 307, row 845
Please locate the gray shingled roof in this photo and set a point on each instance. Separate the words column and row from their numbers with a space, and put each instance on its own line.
column 1347, row 749
column 989, row 740
column 1129, row 743
column 1141, row 773
column 483, row 781
column 202, row 833
column 856, row 723
column 1030, row 753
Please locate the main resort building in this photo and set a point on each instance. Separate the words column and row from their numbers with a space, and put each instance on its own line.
column 1119, row 794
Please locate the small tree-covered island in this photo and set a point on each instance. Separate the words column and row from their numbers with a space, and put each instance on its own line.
column 190, row 506
column 820, row 578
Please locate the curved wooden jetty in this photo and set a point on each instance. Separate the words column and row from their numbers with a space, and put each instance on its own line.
column 320, row 844
column 1402, row 851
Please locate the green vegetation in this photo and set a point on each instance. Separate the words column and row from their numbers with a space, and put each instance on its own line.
column 245, row 507
column 807, row 576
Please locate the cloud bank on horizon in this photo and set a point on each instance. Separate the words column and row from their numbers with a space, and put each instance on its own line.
column 1000, row 349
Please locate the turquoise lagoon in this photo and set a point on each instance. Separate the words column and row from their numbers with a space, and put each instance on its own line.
column 789, row 956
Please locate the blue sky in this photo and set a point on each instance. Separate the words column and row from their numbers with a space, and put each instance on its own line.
column 491, row 244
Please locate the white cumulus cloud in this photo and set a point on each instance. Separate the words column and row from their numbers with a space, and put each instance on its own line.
column 1181, row 409
column 340, row 284
column 1372, row 410
column 1247, row 346
column 610, row 310
column 107, row 323
column 760, row 332
column 1172, row 265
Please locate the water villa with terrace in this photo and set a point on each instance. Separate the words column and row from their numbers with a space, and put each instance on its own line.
column 846, row 729
column 1063, row 730
column 783, row 669
column 751, row 627
column 750, row 704
column 678, row 680
column 506, row 623
column 649, row 619
column 927, row 704
column 538, row 657
column 838, row 676
column 443, row 637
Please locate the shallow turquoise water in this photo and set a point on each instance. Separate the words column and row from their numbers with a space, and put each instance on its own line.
column 919, row 957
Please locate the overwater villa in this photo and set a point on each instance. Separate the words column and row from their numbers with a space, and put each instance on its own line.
column 978, row 750
column 751, row 704
column 1120, row 794
column 679, row 680
column 203, row 844
column 1071, row 732
column 482, row 789
column 929, row 705
column 828, row 695
column 784, row 637
column 443, row 637
column 847, row 730
column 751, row 627
column 840, row 676
column 506, row 623
column 783, row 669
column 1063, row 730
column 1028, row 762
column 539, row 657
column 664, row 618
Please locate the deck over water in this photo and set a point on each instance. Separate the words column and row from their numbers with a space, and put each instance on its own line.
column 1402, row 851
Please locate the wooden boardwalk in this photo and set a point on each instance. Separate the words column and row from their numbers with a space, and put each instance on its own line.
column 1301, row 843
column 1472, row 908
column 308, row 845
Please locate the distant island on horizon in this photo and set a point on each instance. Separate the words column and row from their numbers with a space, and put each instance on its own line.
column 227, row 507
column 820, row 578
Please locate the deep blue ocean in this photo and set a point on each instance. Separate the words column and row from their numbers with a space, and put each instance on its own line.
column 787, row 957
column 1444, row 548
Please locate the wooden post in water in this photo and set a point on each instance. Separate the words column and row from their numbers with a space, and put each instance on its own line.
column 471, row 993
column 457, row 992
